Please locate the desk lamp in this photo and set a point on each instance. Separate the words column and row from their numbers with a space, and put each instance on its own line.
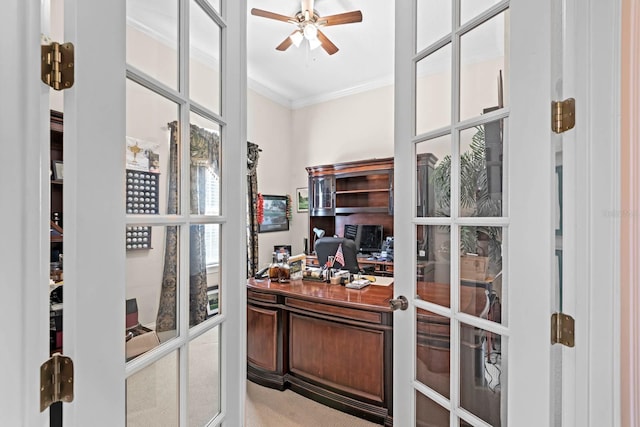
column 319, row 233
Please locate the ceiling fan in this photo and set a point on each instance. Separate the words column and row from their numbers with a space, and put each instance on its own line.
column 308, row 24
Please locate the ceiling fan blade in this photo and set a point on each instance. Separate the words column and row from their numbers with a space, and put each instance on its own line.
column 270, row 15
column 286, row 43
column 327, row 44
column 341, row 18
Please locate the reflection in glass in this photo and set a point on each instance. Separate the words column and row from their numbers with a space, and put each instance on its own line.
column 433, row 21
column 481, row 272
column 433, row 263
column 205, row 166
column 429, row 413
column 152, row 39
column 151, row 287
column 204, row 297
column 433, row 91
column 204, row 59
column 152, row 394
column 204, row 378
column 484, row 80
column 481, row 374
column 481, row 263
column 150, row 144
column 433, row 177
column 433, row 339
column 481, row 165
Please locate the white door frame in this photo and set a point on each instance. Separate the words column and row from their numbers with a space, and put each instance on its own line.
column 595, row 178
column 630, row 223
column 25, row 140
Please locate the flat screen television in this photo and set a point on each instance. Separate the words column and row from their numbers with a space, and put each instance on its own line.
column 368, row 237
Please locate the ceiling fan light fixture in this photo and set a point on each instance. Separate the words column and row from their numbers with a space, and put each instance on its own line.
column 314, row 43
column 310, row 32
column 297, row 38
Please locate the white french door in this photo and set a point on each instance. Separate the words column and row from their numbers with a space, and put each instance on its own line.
column 472, row 120
column 199, row 363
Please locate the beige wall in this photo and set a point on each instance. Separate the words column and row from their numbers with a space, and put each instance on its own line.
column 349, row 128
column 269, row 125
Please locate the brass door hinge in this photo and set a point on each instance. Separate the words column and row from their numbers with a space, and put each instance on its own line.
column 57, row 65
column 562, row 329
column 56, row 381
column 563, row 115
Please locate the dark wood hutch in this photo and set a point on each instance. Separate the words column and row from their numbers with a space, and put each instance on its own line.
column 359, row 192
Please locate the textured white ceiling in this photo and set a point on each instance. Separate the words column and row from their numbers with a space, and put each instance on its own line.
column 300, row 76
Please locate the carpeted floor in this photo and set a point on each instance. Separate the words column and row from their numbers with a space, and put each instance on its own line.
column 266, row 407
column 152, row 396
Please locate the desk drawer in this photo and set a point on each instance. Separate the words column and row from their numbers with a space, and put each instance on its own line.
column 334, row 310
column 259, row 296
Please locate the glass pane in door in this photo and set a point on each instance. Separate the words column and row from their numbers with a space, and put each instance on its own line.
column 429, row 413
column 215, row 4
column 152, row 285
column 481, row 168
column 204, row 59
column 481, row 280
column 433, row 278
column 481, row 374
column 433, row 177
column 471, row 8
column 433, row 340
column 483, row 77
column 204, row 378
column 433, row 21
column 152, row 394
column 152, row 39
column 153, row 147
column 206, row 166
column 204, row 272
column 433, row 91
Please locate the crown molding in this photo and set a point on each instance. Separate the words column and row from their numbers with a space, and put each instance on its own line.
column 269, row 93
column 354, row 90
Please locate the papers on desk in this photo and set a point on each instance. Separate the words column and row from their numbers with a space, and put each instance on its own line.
column 358, row 284
column 382, row 281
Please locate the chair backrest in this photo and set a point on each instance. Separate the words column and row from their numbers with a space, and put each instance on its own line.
column 328, row 246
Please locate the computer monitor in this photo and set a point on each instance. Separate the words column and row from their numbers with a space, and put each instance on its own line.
column 328, row 246
column 367, row 237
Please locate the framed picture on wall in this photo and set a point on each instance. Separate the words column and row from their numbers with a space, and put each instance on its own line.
column 302, row 199
column 212, row 301
column 58, row 170
column 274, row 214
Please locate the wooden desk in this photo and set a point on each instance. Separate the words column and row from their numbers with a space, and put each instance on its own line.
column 327, row 342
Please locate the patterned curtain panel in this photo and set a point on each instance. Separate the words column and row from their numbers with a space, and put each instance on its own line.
column 205, row 149
column 253, row 154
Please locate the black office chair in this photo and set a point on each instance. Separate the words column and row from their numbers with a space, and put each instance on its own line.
column 328, row 246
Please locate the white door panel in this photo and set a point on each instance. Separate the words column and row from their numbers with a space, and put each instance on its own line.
column 94, row 208
column 456, row 361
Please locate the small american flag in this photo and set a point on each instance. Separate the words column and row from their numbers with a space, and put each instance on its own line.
column 340, row 255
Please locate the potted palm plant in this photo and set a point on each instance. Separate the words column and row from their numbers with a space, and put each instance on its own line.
column 475, row 201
